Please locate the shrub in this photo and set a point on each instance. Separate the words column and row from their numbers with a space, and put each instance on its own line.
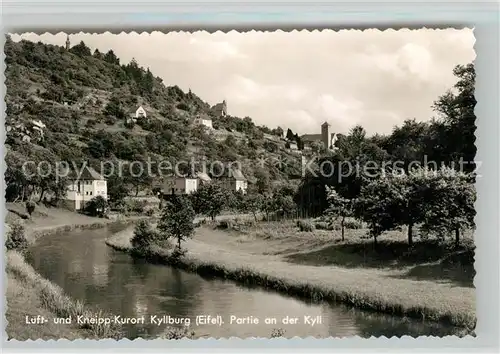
column 352, row 224
column 109, row 120
column 97, row 206
column 305, row 226
column 149, row 212
column 144, row 236
column 136, row 206
column 323, row 226
column 30, row 207
column 16, row 238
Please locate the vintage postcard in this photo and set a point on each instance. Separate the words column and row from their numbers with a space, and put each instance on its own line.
column 241, row 184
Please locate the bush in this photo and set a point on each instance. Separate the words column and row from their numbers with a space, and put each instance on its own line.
column 352, row 224
column 323, row 226
column 97, row 206
column 149, row 212
column 16, row 238
column 144, row 236
column 109, row 120
column 30, row 207
column 136, row 206
column 305, row 226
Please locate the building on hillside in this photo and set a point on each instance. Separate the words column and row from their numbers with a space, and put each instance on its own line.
column 140, row 113
column 83, row 186
column 181, row 185
column 234, row 181
column 204, row 120
column 33, row 131
column 68, row 43
column 292, row 145
column 38, row 127
column 203, row 178
column 220, row 109
column 327, row 138
column 135, row 115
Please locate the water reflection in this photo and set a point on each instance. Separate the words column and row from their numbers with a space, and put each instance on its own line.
column 87, row 269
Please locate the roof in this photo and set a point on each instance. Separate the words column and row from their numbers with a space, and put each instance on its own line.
column 38, row 123
column 82, row 173
column 237, row 174
column 203, row 176
column 325, row 123
column 311, row 137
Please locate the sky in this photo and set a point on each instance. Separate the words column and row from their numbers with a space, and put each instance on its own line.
column 301, row 79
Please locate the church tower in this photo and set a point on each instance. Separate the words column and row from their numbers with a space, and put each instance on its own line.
column 67, row 42
column 325, row 134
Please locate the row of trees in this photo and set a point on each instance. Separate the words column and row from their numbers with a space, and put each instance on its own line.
column 440, row 202
column 212, row 199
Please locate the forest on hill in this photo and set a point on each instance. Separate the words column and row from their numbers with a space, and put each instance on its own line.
column 84, row 99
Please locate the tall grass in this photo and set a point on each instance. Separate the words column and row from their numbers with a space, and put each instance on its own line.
column 53, row 298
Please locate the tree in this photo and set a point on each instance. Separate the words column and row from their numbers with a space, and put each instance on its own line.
column 339, row 207
column 449, row 204
column 278, row 132
column 253, row 203
column 177, row 220
column 290, row 135
column 209, row 200
column 144, row 235
column 16, row 238
column 96, row 206
column 111, row 58
column 81, row 50
column 456, row 109
column 383, row 205
column 97, row 54
column 30, row 207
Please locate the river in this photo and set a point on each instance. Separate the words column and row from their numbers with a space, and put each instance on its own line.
column 113, row 281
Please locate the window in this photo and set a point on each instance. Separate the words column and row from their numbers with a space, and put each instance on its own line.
column 90, row 193
column 86, row 193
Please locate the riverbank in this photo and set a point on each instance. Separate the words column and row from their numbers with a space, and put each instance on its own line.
column 282, row 261
column 29, row 294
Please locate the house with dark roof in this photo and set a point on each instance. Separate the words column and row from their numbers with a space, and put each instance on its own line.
column 84, row 184
column 181, row 185
column 234, row 180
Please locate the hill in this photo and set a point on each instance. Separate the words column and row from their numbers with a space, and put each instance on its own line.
column 82, row 101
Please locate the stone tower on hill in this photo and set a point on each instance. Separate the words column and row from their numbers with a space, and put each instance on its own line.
column 325, row 134
column 67, row 42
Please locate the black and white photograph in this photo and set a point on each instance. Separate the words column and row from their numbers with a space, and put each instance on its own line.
column 242, row 184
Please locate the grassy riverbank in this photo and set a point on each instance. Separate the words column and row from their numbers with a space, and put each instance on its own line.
column 317, row 265
column 29, row 294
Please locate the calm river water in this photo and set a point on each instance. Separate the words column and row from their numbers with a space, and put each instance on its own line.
column 115, row 282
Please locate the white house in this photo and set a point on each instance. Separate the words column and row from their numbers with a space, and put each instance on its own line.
column 180, row 185
column 235, row 181
column 140, row 113
column 38, row 127
column 83, row 186
column 185, row 185
column 293, row 146
column 205, row 121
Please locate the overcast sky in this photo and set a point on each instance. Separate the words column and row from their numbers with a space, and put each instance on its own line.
column 299, row 80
